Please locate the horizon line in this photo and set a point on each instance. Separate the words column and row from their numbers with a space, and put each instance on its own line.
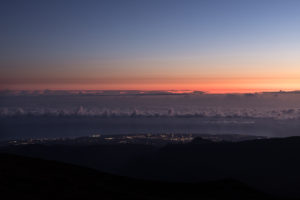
column 171, row 91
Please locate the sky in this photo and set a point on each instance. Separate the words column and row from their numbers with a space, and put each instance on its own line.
column 216, row 46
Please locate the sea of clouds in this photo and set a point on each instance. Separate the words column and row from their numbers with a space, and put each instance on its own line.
column 72, row 113
column 278, row 105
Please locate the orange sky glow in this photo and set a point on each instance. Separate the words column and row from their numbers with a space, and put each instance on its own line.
column 207, row 85
column 221, row 76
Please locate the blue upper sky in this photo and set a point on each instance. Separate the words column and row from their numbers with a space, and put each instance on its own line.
column 149, row 29
column 144, row 27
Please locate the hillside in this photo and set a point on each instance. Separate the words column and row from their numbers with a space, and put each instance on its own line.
column 29, row 178
column 270, row 165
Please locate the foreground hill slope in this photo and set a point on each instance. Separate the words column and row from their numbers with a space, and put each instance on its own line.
column 270, row 165
column 30, row 178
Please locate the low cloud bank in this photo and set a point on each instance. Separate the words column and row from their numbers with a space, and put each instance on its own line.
column 170, row 112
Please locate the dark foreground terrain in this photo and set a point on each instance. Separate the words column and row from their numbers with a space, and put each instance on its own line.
column 268, row 165
column 30, row 178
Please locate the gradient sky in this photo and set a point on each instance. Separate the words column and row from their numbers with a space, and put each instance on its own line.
column 212, row 45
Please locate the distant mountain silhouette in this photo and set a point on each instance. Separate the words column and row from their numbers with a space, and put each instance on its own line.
column 200, row 140
column 270, row 165
column 29, row 178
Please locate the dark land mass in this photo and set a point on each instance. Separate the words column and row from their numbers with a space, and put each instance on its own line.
column 268, row 165
column 31, row 178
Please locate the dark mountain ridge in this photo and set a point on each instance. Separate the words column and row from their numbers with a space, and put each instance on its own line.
column 30, row 178
column 270, row 165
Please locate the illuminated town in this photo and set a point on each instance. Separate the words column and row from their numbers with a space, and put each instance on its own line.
column 146, row 139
